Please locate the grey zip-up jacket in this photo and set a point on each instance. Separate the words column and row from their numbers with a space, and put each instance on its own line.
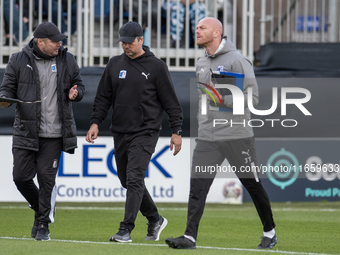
column 50, row 125
column 228, row 59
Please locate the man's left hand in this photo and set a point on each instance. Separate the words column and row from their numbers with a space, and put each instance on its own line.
column 176, row 140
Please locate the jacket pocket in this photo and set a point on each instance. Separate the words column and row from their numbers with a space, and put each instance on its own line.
column 127, row 118
column 22, row 128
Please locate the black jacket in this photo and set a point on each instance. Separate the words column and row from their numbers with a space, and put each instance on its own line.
column 139, row 90
column 21, row 81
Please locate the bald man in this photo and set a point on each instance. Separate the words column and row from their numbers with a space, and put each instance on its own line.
column 215, row 143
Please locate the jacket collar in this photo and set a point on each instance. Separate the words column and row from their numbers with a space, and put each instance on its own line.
column 225, row 46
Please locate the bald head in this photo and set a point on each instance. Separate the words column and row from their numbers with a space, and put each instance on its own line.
column 212, row 23
column 208, row 33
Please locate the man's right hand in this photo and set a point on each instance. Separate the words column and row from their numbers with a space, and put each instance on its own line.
column 4, row 104
column 92, row 134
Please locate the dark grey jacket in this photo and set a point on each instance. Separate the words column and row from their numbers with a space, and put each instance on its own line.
column 21, row 81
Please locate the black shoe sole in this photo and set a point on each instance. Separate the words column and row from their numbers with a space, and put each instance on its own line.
column 270, row 245
column 112, row 239
column 43, row 239
column 176, row 246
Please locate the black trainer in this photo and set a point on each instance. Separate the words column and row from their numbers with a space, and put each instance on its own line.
column 180, row 242
column 43, row 233
column 123, row 236
column 35, row 225
column 155, row 229
column 267, row 243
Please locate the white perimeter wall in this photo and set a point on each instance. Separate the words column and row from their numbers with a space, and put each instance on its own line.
column 88, row 175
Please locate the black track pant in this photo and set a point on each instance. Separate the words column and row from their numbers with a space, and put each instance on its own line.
column 43, row 163
column 133, row 153
column 239, row 153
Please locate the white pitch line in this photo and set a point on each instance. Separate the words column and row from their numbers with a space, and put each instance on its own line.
column 164, row 245
column 183, row 209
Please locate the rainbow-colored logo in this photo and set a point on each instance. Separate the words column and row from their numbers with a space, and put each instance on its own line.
column 209, row 93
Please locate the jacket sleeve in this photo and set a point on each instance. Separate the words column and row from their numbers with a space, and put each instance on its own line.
column 169, row 100
column 77, row 80
column 243, row 66
column 103, row 99
column 9, row 83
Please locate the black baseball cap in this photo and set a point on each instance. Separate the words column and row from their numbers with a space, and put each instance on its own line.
column 129, row 31
column 50, row 31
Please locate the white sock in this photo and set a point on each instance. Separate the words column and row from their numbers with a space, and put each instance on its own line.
column 270, row 234
column 190, row 238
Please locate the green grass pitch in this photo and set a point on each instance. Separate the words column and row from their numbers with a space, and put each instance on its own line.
column 85, row 228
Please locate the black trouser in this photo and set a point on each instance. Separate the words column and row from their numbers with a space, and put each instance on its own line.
column 133, row 153
column 43, row 163
column 239, row 153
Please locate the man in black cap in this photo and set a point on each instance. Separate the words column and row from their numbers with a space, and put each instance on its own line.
column 138, row 87
column 46, row 79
